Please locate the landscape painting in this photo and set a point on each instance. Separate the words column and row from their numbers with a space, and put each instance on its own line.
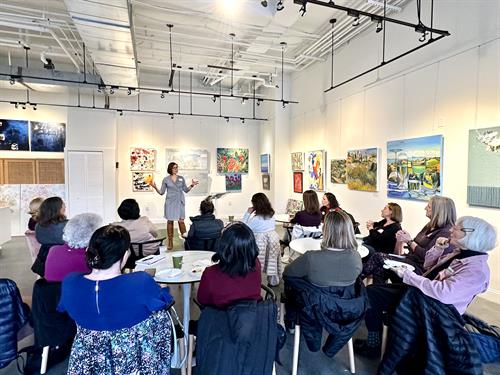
column 48, row 136
column 192, row 159
column 142, row 159
column 233, row 182
column 265, row 162
column 203, row 187
column 141, row 180
column 14, row 135
column 297, row 161
column 361, row 168
column 316, row 170
column 338, row 171
column 414, row 167
column 297, row 182
column 483, row 183
column 232, row 160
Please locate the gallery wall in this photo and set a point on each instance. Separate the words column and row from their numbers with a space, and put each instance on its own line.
column 447, row 88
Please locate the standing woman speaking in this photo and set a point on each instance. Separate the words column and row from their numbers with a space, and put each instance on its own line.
column 175, row 202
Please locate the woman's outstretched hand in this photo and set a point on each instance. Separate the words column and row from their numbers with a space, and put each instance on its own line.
column 194, row 182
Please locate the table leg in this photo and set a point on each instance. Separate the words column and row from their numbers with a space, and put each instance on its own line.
column 186, row 292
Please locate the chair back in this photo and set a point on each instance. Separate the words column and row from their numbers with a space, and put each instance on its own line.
column 300, row 231
column 33, row 244
column 208, row 244
column 137, row 251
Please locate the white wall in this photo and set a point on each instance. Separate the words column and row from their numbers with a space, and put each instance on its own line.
column 447, row 88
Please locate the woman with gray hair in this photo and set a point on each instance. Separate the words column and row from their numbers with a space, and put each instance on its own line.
column 70, row 257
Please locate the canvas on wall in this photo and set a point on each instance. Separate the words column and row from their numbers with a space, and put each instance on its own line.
column 232, row 160
column 233, row 182
column 141, row 180
column 414, row 167
column 265, row 163
column 297, row 182
column 204, row 181
column 316, row 170
column 297, row 161
column 266, row 182
column 48, row 136
column 293, row 206
column 338, row 171
column 190, row 159
column 483, row 182
column 14, row 135
column 362, row 168
column 142, row 159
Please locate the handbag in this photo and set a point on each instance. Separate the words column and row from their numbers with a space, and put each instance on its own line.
column 176, row 361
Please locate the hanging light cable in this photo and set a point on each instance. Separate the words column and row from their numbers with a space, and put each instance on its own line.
column 283, row 45
column 232, row 35
column 332, row 21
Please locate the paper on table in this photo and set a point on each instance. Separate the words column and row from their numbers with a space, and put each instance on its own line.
column 151, row 259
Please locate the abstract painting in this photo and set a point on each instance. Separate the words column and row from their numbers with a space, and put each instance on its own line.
column 266, row 182
column 265, row 163
column 338, row 171
column 362, row 169
column 142, row 159
column 140, row 181
column 191, row 159
column 316, row 170
column 233, row 182
column 414, row 167
column 232, row 160
column 48, row 136
column 297, row 161
column 297, row 182
column 14, row 135
column 204, row 181
column 483, row 183
column 293, row 206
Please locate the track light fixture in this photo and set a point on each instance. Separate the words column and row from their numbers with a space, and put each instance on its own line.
column 242, row 120
column 284, row 104
column 12, row 80
column 162, row 95
column 355, row 15
column 23, row 105
column 227, row 119
column 379, row 27
column 33, row 106
column 120, row 112
column 259, row 101
column 214, row 98
column 16, row 105
column 171, row 116
column 423, row 37
column 264, row 3
column 279, row 6
column 303, row 9
column 112, row 89
column 129, row 91
column 100, row 88
column 243, row 101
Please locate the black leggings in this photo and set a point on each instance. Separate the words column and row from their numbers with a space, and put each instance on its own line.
column 383, row 298
column 375, row 267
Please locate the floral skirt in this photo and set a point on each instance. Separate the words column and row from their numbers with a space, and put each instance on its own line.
column 142, row 349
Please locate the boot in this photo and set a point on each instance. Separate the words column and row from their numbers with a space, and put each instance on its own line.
column 182, row 228
column 170, row 235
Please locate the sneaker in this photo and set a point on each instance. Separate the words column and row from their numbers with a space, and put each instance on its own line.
column 366, row 350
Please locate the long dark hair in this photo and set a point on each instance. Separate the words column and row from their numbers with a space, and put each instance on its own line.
column 237, row 250
column 311, row 202
column 107, row 245
column 50, row 211
column 262, row 206
column 332, row 201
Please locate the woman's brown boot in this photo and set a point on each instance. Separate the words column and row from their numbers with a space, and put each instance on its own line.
column 170, row 235
column 182, row 227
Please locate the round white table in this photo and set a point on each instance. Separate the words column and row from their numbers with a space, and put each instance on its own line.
column 301, row 245
column 189, row 259
column 282, row 218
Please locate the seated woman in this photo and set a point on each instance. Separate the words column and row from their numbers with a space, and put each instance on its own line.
column 70, row 257
column 310, row 216
column 382, row 234
column 331, row 272
column 259, row 217
column 140, row 228
column 51, row 222
column 121, row 318
column 452, row 278
column 236, row 276
column 330, row 203
column 442, row 215
column 34, row 207
column 203, row 227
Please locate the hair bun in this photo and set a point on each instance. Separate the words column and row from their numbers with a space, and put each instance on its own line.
column 95, row 262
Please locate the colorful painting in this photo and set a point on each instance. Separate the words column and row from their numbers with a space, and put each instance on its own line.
column 414, row 167
column 142, row 159
column 316, row 170
column 294, row 205
column 141, row 180
column 297, row 161
column 232, row 160
column 233, row 182
column 266, row 182
column 190, row 159
column 362, row 166
column 48, row 136
column 483, row 183
column 297, row 182
column 14, row 135
column 338, row 171
column 265, row 163
column 203, row 187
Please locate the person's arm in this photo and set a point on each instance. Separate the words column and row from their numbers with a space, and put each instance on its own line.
column 155, row 297
column 151, row 227
column 204, row 295
column 186, row 188
column 299, row 267
column 420, row 251
column 385, row 238
column 246, row 217
column 162, row 189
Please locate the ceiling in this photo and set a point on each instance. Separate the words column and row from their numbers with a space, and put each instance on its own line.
column 128, row 42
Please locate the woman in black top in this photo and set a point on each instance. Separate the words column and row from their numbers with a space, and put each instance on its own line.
column 330, row 203
column 310, row 216
column 382, row 234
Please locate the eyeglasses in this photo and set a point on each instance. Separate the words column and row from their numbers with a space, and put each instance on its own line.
column 467, row 230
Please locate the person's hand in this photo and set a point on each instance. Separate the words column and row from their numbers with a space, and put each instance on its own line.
column 400, row 271
column 194, row 182
column 442, row 241
column 369, row 224
column 403, row 236
column 250, row 210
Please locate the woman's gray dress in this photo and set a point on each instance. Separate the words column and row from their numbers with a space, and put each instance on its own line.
column 175, row 202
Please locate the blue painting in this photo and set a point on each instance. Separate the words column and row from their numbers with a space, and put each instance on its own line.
column 414, row 167
column 14, row 135
column 48, row 136
column 265, row 163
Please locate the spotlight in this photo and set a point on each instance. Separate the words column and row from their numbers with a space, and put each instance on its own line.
column 171, row 116
column 129, row 91
column 227, row 119
column 214, row 99
column 33, row 106
column 264, row 3
column 162, row 95
column 16, row 105
column 355, row 15
column 279, row 6
column 355, row 22
column 111, row 91
column 23, row 106
column 120, row 112
column 12, row 80
column 423, row 37
column 380, row 25
column 258, row 102
column 100, row 88
column 303, row 9
column 284, row 104
column 242, row 120
column 243, row 101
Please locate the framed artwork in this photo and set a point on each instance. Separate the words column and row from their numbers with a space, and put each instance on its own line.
column 297, row 182
column 338, row 171
column 316, row 170
column 233, row 182
column 203, row 188
column 48, row 136
column 14, row 135
column 265, row 163
column 362, row 168
column 414, row 167
column 294, row 205
column 232, row 160
column 266, row 182
column 140, row 181
column 483, row 181
column 142, row 159
column 297, row 161
column 191, row 159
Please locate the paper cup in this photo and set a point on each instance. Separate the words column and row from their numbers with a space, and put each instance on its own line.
column 177, row 260
column 162, row 249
